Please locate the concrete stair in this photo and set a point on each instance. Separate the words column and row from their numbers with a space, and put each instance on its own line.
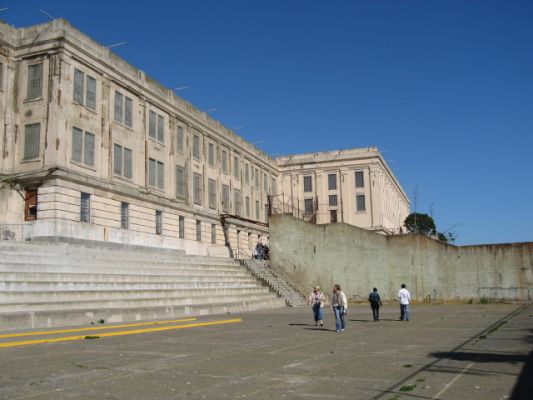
column 48, row 284
column 277, row 281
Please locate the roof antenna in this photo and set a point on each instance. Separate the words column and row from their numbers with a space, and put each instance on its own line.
column 115, row 45
column 45, row 13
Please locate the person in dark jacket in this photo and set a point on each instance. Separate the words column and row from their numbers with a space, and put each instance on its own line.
column 375, row 303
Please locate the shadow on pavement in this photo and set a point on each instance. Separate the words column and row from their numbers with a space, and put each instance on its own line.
column 481, row 357
column 524, row 386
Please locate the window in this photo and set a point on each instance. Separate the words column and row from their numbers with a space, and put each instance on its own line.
column 225, row 198
column 1, row 76
column 333, row 200
column 197, row 188
column 332, row 181
column 265, row 183
column 179, row 139
column 85, row 207
column 35, row 81
column 212, row 188
column 156, row 126
column 333, row 216
column 213, row 234
column 257, row 179
column 158, row 222
column 30, row 205
column 308, row 184
column 123, row 109
column 266, row 213
column 211, row 154
column 273, row 186
column 225, row 162
column 247, row 174
column 236, row 170
column 84, row 89
column 156, row 174
column 361, row 202
column 32, row 141
column 257, row 210
column 308, row 206
column 124, row 215
column 122, row 163
column 181, row 189
column 181, row 227
column 196, row 147
column 237, row 201
column 198, row 230
column 247, row 207
column 82, row 147
column 359, row 179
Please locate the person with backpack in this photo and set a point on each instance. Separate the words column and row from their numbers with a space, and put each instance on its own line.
column 375, row 303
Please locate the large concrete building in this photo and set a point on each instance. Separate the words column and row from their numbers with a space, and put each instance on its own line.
column 92, row 148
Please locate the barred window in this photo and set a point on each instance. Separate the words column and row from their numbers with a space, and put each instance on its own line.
column 332, row 181
column 84, row 89
column 359, row 179
column 211, row 154
column 198, row 230
column 308, row 184
column 122, row 163
column 161, row 129
column 257, row 210
column 196, row 147
column 124, row 215
column 158, row 222
column 333, row 200
column 32, row 141
column 119, row 112
column 273, row 186
column 225, row 198
column 257, row 180
column 181, row 191
column 308, row 206
column 156, row 173
column 247, row 174
column 333, row 216
column 181, row 227
column 265, row 183
column 82, row 146
column 197, row 188
column 152, row 124
column 179, row 139
column 35, row 81
column 361, row 206
column 212, row 194
column 213, row 234
column 85, row 207
column 236, row 169
column 247, row 207
column 237, row 201
column 225, row 162
column 128, row 112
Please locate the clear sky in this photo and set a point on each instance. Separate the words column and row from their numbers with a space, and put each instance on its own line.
column 444, row 88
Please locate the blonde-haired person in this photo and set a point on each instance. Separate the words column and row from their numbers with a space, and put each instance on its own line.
column 316, row 301
column 339, row 305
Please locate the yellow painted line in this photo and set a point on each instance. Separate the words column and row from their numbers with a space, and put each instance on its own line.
column 118, row 333
column 92, row 328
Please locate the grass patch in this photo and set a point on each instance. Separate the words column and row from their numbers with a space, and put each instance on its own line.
column 91, row 337
column 397, row 397
column 483, row 300
column 470, row 301
column 407, row 388
column 421, row 380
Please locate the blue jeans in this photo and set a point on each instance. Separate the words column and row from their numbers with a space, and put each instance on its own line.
column 318, row 312
column 404, row 312
column 340, row 323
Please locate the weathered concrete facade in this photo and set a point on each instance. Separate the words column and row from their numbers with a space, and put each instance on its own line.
column 92, row 148
column 353, row 186
column 359, row 260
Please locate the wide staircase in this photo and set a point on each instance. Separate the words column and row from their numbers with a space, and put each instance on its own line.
column 47, row 284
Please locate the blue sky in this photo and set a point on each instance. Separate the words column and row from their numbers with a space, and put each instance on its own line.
column 444, row 88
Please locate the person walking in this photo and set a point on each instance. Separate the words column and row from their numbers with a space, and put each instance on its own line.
column 316, row 300
column 405, row 299
column 375, row 303
column 339, row 305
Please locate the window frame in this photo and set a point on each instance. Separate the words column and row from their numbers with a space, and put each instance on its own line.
column 27, row 156
column 31, row 82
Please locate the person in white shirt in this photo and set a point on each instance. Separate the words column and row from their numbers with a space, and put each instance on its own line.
column 316, row 300
column 405, row 299
column 339, row 305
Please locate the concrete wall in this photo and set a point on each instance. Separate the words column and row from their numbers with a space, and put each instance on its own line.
column 358, row 260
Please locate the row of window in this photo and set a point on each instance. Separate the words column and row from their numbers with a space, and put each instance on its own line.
column 360, row 203
column 85, row 216
column 84, row 93
column 332, row 181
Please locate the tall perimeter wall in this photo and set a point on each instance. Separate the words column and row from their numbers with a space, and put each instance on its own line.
column 359, row 260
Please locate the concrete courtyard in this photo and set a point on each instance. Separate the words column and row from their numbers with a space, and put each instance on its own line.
column 470, row 351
